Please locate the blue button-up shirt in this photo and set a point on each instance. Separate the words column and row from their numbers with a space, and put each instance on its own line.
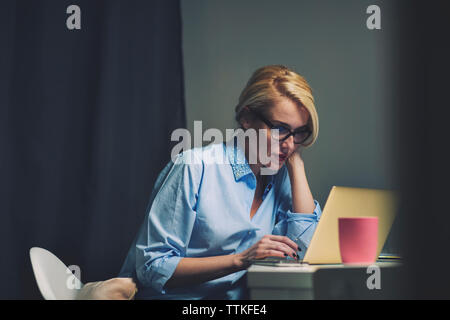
column 200, row 207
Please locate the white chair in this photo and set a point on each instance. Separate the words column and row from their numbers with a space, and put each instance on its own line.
column 54, row 279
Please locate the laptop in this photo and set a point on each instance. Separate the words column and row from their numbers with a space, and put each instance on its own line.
column 343, row 202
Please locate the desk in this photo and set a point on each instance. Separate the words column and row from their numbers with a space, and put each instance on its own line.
column 336, row 281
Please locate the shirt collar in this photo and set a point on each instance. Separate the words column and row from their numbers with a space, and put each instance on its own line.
column 237, row 159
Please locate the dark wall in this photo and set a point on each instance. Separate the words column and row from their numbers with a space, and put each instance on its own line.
column 347, row 65
column 421, row 71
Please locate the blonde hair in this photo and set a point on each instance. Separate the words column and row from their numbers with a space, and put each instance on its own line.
column 267, row 84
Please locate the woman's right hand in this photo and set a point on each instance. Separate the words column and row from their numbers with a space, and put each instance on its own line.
column 268, row 246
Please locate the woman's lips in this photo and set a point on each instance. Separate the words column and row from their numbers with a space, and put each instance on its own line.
column 282, row 157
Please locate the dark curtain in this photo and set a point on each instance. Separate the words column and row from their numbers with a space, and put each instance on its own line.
column 85, row 123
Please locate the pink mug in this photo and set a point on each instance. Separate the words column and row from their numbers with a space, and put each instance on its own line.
column 358, row 239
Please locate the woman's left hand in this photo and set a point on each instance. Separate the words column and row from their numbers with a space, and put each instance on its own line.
column 294, row 160
column 302, row 199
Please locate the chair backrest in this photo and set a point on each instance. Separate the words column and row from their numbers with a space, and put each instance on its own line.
column 54, row 279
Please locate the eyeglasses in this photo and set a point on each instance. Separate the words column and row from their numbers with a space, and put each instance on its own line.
column 300, row 135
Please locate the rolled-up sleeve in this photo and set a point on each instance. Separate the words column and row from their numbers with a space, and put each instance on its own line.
column 165, row 234
column 297, row 226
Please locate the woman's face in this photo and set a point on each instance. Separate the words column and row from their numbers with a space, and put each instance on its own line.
column 287, row 113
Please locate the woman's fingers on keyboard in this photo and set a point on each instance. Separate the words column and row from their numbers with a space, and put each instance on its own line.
column 286, row 241
column 280, row 247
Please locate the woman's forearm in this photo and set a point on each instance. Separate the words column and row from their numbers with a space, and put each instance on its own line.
column 191, row 271
column 302, row 199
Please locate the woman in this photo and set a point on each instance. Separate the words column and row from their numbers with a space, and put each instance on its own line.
column 206, row 221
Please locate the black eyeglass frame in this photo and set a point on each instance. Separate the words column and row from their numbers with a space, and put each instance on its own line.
column 291, row 133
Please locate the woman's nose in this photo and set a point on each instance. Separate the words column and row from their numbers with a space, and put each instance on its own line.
column 288, row 144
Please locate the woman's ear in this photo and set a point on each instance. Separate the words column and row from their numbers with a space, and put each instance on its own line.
column 245, row 119
column 245, row 124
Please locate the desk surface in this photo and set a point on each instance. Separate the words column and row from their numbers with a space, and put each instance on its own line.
column 311, row 281
column 307, row 268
